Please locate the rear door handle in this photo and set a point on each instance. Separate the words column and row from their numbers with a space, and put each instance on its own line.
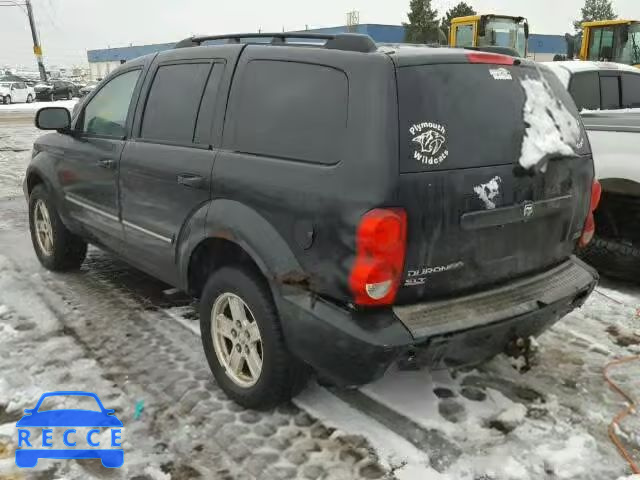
column 107, row 163
column 193, row 181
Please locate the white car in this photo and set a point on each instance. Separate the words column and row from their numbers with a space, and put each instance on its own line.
column 16, row 92
column 608, row 97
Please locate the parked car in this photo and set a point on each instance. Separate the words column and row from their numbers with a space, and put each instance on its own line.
column 337, row 206
column 54, row 90
column 16, row 92
column 608, row 94
column 87, row 89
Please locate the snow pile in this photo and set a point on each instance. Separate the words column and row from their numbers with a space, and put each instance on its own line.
column 551, row 128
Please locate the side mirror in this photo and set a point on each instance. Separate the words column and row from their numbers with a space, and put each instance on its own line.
column 625, row 33
column 571, row 45
column 109, row 411
column 482, row 26
column 53, row 118
column 526, row 30
column 29, row 410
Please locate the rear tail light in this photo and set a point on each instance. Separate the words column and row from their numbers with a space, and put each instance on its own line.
column 380, row 250
column 491, row 58
column 589, row 229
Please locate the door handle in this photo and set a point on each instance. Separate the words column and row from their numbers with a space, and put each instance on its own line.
column 106, row 163
column 193, row 181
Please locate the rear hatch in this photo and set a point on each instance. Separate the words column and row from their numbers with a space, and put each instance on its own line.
column 495, row 175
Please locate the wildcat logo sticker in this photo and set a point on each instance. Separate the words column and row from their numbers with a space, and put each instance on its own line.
column 431, row 140
column 501, row 74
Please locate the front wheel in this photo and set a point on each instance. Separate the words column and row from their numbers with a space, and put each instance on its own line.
column 29, row 98
column 52, row 97
column 7, row 100
column 243, row 341
column 56, row 247
column 69, row 96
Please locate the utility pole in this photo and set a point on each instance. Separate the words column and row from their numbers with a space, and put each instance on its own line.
column 37, row 49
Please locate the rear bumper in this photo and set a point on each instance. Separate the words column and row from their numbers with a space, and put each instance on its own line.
column 355, row 347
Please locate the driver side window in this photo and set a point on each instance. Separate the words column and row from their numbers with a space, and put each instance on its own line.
column 106, row 113
column 464, row 36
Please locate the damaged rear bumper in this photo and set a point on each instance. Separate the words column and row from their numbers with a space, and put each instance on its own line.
column 352, row 347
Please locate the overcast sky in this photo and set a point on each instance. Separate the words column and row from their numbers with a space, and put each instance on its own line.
column 69, row 28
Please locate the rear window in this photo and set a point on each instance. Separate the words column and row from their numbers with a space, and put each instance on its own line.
column 292, row 110
column 585, row 90
column 464, row 115
column 610, row 92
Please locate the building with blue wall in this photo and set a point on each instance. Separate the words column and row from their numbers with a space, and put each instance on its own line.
column 541, row 47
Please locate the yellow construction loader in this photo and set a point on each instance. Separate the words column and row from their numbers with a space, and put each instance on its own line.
column 607, row 40
column 491, row 32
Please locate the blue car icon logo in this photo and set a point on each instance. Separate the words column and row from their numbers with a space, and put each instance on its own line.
column 29, row 450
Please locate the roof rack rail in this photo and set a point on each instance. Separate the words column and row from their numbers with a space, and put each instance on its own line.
column 353, row 42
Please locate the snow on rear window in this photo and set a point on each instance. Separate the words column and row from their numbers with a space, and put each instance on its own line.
column 551, row 129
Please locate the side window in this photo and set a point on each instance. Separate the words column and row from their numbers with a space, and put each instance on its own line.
column 464, row 36
column 292, row 110
column 601, row 44
column 172, row 105
column 106, row 113
column 630, row 90
column 610, row 92
column 585, row 90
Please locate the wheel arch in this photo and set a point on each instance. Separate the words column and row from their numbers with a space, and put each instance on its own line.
column 234, row 233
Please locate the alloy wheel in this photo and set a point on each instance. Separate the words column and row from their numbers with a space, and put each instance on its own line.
column 44, row 231
column 236, row 339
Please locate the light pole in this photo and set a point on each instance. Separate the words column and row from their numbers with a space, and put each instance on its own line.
column 37, row 49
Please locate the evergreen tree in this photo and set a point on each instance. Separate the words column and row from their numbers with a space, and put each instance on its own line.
column 423, row 26
column 460, row 10
column 595, row 10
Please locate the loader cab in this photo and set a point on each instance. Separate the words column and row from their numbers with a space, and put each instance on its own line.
column 611, row 41
column 490, row 31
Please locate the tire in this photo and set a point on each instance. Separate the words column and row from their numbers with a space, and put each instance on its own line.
column 66, row 250
column 52, row 97
column 612, row 259
column 7, row 100
column 29, row 98
column 281, row 376
column 69, row 96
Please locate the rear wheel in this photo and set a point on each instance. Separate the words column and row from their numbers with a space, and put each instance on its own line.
column 69, row 96
column 7, row 100
column 612, row 258
column 29, row 98
column 615, row 249
column 243, row 341
column 52, row 97
column 56, row 247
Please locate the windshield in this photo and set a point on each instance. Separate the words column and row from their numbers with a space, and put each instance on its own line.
column 505, row 32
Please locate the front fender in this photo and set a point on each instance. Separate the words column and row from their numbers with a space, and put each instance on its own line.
column 242, row 225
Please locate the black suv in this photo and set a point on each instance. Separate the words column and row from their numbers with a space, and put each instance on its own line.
column 55, row 90
column 333, row 204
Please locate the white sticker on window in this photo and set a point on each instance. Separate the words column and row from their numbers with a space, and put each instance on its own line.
column 500, row 74
column 487, row 192
column 431, row 143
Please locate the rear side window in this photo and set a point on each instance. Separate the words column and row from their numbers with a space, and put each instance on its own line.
column 585, row 90
column 630, row 90
column 172, row 105
column 610, row 92
column 292, row 110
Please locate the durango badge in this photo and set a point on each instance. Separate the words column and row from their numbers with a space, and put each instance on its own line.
column 430, row 139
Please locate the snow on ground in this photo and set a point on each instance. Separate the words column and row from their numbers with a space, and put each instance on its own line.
column 35, row 106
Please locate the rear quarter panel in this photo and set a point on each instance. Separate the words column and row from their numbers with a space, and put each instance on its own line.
column 315, row 208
